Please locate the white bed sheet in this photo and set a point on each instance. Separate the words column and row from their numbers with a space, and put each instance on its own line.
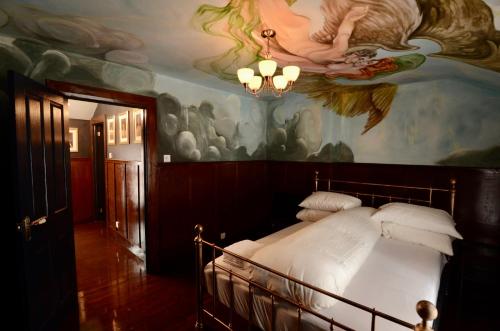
column 393, row 278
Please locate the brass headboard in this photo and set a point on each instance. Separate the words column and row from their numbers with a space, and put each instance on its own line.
column 426, row 191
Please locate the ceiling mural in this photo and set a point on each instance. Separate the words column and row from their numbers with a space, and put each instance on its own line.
column 345, row 48
column 364, row 61
column 348, row 43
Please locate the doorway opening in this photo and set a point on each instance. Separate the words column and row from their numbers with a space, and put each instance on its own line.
column 114, row 114
column 107, row 169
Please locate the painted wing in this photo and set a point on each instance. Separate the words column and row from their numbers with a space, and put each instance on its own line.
column 355, row 100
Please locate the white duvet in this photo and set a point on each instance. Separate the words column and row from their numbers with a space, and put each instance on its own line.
column 326, row 254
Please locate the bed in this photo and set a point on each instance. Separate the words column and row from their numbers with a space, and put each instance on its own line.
column 381, row 281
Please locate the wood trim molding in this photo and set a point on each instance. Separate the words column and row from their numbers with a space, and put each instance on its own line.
column 94, row 94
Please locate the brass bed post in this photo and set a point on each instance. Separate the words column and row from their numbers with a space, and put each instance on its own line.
column 428, row 312
column 453, row 192
column 198, row 247
column 316, row 180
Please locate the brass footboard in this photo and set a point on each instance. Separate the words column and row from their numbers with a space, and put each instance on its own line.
column 425, row 309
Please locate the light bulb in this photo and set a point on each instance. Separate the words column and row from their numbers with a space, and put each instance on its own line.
column 255, row 83
column 279, row 82
column 291, row 73
column 245, row 75
column 267, row 67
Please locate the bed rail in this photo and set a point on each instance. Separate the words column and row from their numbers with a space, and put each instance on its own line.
column 425, row 309
column 368, row 192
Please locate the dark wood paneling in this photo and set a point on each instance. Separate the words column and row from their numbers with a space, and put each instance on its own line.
column 133, row 211
column 227, row 186
column 81, row 188
column 110, row 194
column 120, row 199
column 242, row 199
column 173, row 210
column 225, row 197
column 126, row 203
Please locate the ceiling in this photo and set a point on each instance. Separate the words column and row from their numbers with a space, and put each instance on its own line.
column 349, row 42
column 81, row 110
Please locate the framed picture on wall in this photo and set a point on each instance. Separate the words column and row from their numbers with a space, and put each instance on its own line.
column 73, row 140
column 110, row 130
column 123, row 128
column 137, row 119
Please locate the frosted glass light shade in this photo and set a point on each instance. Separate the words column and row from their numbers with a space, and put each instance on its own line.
column 280, row 82
column 267, row 67
column 255, row 83
column 291, row 73
column 245, row 75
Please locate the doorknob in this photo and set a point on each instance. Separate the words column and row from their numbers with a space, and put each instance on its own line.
column 39, row 221
column 25, row 226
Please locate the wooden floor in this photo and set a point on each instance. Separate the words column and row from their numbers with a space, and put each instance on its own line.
column 115, row 293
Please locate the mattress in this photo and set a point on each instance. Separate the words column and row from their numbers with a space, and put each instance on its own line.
column 393, row 279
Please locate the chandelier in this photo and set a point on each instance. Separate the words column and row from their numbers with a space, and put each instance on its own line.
column 278, row 84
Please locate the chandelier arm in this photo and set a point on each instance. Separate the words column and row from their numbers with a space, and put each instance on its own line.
column 257, row 91
column 288, row 87
column 277, row 94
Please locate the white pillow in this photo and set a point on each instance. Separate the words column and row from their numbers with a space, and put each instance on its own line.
column 312, row 215
column 419, row 217
column 331, row 201
column 438, row 241
column 245, row 248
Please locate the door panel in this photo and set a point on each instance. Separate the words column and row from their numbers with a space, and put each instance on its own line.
column 81, row 190
column 60, row 158
column 142, row 231
column 45, row 257
column 133, row 203
column 110, row 191
column 35, row 141
column 121, row 207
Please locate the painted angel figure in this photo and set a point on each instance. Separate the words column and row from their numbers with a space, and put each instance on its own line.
column 293, row 38
column 326, row 51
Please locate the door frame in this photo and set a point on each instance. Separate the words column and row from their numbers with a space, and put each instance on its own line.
column 93, row 124
column 100, row 95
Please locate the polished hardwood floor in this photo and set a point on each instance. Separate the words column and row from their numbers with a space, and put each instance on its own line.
column 115, row 293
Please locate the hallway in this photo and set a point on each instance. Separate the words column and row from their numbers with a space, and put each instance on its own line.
column 115, row 294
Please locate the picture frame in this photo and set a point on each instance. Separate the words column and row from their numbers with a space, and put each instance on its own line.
column 123, row 128
column 110, row 130
column 137, row 125
column 73, row 140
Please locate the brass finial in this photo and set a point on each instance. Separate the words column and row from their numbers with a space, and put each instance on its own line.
column 428, row 312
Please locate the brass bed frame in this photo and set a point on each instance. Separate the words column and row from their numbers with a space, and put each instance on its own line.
column 425, row 309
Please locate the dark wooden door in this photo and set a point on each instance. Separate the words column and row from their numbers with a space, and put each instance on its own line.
column 98, row 158
column 45, row 257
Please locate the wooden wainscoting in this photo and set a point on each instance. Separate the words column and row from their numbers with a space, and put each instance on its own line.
column 82, row 190
column 226, row 197
column 125, row 201
column 243, row 199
